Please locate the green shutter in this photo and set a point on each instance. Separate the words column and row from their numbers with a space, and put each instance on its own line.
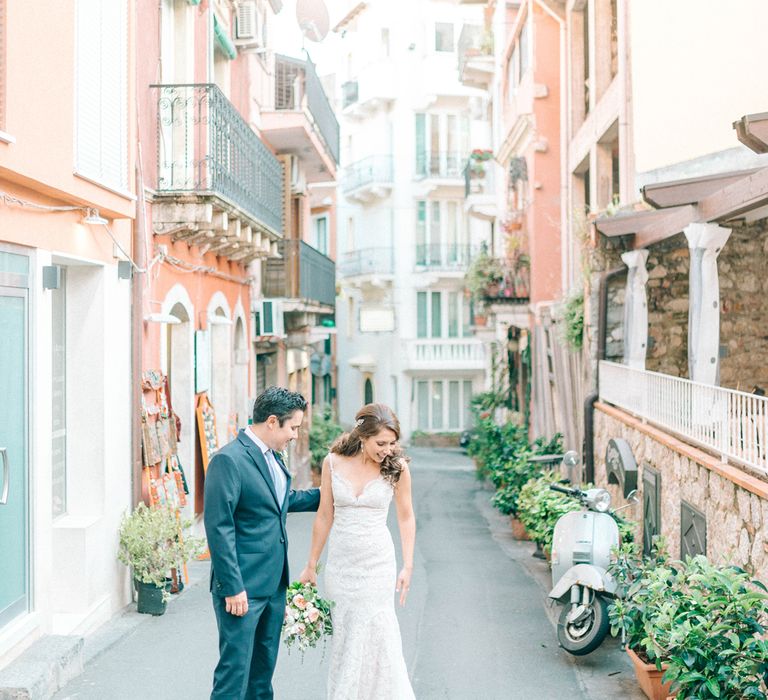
column 223, row 40
column 421, row 314
column 421, row 232
column 421, row 145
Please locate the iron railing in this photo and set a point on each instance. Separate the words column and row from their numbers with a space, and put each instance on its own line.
column 349, row 93
column 514, row 287
column 478, row 176
column 443, row 255
column 374, row 169
column 296, row 86
column 440, row 164
column 367, row 261
column 301, row 273
column 730, row 423
column 206, row 147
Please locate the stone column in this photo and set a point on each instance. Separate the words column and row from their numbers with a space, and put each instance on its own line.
column 705, row 242
column 635, row 309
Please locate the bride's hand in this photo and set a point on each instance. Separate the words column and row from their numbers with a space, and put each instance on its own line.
column 403, row 584
column 309, row 575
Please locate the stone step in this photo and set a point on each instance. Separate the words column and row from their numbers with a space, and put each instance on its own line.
column 48, row 665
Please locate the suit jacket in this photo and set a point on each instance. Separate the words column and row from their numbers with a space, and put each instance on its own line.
column 245, row 524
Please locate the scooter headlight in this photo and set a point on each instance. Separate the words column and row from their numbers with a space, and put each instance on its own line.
column 602, row 501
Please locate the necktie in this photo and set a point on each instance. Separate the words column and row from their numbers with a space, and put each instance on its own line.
column 278, row 477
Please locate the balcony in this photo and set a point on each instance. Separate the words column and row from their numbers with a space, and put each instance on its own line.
column 514, row 288
column 729, row 423
column 475, row 54
column 376, row 263
column 368, row 179
column 443, row 256
column 373, row 89
column 439, row 169
column 302, row 120
column 301, row 273
column 207, row 150
column 444, row 354
column 479, row 186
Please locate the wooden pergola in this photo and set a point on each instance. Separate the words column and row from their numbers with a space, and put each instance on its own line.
column 711, row 199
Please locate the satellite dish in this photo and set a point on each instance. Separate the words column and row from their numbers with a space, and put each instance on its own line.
column 312, row 16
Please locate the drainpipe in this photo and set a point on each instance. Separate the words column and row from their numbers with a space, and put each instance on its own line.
column 589, row 401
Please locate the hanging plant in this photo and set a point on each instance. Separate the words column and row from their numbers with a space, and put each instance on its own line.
column 483, row 272
column 571, row 320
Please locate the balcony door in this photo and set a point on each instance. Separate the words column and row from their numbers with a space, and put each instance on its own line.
column 439, row 234
column 14, row 471
column 442, row 144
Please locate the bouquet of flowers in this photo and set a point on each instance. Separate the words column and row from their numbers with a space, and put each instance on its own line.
column 307, row 616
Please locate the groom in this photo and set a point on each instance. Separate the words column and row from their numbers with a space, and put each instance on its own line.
column 247, row 495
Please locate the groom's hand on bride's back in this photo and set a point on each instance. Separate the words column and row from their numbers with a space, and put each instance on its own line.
column 237, row 605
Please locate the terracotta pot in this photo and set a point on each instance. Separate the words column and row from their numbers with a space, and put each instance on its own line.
column 480, row 320
column 518, row 529
column 649, row 678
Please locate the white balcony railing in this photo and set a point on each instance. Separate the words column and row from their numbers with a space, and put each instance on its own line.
column 446, row 353
column 731, row 423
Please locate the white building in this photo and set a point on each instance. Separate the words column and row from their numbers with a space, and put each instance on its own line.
column 408, row 125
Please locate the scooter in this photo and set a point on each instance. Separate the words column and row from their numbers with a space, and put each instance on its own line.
column 581, row 552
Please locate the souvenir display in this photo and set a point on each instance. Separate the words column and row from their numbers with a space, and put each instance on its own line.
column 206, row 424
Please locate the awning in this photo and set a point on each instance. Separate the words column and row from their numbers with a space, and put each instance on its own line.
column 223, row 40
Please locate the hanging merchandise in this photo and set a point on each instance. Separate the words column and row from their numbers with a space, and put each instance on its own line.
column 174, row 467
column 150, row 447
column 206, row 427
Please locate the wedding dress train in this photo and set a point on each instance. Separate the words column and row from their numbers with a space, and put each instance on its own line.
column 360, row 574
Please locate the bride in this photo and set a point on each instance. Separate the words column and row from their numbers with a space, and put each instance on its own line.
column 363, row 472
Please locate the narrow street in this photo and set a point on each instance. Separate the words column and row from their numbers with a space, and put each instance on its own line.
column 475, row 625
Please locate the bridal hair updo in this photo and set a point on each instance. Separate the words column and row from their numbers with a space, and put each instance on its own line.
column 370, row 420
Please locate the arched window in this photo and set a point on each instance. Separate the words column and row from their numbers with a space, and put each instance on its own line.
column 368, row 391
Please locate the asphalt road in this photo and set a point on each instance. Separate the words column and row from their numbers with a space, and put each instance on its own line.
column 476, row 625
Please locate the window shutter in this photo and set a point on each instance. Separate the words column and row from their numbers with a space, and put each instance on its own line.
column 421, row 145
column 101, row 151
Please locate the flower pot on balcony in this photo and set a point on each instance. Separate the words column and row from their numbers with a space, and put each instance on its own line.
column 480, row 319
column 492, row 290
column 649, row 678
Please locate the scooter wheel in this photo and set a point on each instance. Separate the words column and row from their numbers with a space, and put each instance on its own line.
column 585, row 636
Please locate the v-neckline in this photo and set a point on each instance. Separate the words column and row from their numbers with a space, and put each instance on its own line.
column 349, row 483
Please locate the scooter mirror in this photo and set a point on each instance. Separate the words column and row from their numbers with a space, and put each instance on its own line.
column 571, row 458
column 633, row 497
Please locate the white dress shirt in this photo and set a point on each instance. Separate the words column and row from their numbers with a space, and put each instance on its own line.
column 278, row 475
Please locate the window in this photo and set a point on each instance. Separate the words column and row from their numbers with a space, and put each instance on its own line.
column 368, row 391
column 442, row 142
column 59, row 399
column 439, row 234
column 101, row 62
column 421, row 145
column 384, row 42
column 321, row 234
column 524, row 48
column 443, row 36
column 436, row 311
column 350, row 234
column 443, row 404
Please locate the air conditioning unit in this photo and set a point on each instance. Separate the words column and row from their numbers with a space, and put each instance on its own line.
column 268, row 319
column 298, row 180
column 247, row 24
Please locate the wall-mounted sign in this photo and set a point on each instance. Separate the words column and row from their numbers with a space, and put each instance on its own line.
column 621, row 466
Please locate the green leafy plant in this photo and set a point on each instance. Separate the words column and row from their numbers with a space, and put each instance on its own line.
column 483, row 271
column 152, row 542
column 322, row 433
column 572, row 320
column 539, row 507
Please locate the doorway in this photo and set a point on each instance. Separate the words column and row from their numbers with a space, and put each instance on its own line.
column 14, row 453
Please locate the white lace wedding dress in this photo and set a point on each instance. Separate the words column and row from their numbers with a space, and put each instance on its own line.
column 360, row 575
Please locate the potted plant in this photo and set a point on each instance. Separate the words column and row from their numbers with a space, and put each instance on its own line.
column 152, row 543
column 483, row 272
column 714, row 633
column 323, row 431
column 647, row 587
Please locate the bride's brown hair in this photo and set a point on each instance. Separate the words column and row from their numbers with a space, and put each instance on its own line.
column 369, row 421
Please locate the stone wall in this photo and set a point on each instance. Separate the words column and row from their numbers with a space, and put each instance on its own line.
column 734, row 503
column 744, row 315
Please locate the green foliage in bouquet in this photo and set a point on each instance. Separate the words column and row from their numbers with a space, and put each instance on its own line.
column 307, row 617
column 323, row 432
column 152, row 543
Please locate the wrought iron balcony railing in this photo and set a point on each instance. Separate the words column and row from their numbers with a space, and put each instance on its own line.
column 301, row 273
column 371, row 170
column 440, row 164
column 514, row 287
column 478, row 175
column 296, row 86
column 206, row 147
column 349, row 93
column 443, row 255
column 367, row 261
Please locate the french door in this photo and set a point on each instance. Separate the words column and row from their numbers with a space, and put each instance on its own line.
column 14, row 473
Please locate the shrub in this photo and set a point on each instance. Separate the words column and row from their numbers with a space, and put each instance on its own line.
column 322, row 433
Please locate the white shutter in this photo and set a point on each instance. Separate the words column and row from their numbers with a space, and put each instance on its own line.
column 101, row 150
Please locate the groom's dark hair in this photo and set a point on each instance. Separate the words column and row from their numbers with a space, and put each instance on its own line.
column 276, row 401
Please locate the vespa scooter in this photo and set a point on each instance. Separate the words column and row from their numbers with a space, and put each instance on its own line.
column 581, row 552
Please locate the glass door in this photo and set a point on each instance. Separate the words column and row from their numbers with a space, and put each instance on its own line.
column 14, row 501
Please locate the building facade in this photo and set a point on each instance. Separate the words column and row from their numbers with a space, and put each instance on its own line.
column 406, row 336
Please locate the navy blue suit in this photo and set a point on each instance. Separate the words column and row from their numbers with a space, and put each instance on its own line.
column 245, row 526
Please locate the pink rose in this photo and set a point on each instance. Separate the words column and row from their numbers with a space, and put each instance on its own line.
column 299, row 601
column 301, row 628
column 313, row 615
